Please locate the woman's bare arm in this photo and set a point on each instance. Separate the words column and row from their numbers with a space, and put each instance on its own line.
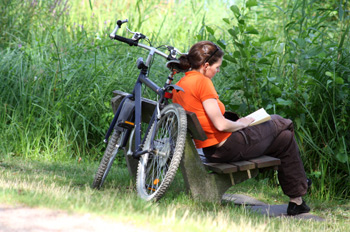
column 212, row 109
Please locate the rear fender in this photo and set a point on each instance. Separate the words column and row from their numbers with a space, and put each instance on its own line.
column 176, row 87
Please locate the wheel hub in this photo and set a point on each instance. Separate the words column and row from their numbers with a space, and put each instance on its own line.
column 162, row 150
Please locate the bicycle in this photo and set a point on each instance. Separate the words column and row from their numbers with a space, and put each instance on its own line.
column 160, row 151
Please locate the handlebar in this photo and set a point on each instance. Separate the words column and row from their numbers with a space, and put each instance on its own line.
column 134, row 41
column 125, row 40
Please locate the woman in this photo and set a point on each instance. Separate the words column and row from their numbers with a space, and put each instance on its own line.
column 230, row 141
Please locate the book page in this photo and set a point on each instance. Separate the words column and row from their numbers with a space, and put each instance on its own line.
column 260, row 116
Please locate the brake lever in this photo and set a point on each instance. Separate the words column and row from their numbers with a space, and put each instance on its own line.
column 173, row 51
column 136, row 35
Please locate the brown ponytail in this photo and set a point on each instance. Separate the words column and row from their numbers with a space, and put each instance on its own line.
column 184, row 62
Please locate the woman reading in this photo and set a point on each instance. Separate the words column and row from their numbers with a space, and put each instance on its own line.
column 230, row 141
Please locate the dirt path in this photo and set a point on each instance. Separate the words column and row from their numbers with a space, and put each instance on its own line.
column 19, row 218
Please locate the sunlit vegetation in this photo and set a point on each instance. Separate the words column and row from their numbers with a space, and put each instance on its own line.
column 58, row 69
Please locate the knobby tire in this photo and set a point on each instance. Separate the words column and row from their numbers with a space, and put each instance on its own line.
column 107, row 159
column 157, row 169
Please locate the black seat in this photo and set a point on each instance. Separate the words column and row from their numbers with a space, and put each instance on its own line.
column 174, row 65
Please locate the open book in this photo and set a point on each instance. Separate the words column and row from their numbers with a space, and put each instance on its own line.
column 260, row 116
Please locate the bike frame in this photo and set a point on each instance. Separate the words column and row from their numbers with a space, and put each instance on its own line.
column 136, row 96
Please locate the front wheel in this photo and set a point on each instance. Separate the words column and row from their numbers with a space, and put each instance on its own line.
column 108, row 158
column 157, row 169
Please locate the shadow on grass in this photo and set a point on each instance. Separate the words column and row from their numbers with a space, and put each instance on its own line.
column 78, row 174
column 74, row 174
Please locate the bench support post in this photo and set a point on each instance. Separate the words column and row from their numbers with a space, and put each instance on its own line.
column 205, row 186
column 202, row 185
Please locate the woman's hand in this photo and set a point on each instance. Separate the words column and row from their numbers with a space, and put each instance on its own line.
column 246, row 120
column 212, row 109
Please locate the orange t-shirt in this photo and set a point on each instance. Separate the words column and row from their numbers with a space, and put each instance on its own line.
column 199, row 88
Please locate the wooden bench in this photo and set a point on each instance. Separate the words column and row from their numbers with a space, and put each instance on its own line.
column 204, row 180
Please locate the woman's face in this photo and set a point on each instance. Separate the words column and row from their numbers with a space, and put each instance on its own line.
column 211, row 70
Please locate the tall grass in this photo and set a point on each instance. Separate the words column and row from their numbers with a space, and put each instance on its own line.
column 58, row 68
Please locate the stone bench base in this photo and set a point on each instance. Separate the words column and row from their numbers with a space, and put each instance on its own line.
column 209, row 181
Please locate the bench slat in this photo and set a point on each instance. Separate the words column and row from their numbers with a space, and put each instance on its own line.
column 244, row 165
column 266, row 161
column 256, row 163
column 221, row 168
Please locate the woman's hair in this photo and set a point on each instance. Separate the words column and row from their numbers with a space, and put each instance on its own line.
column 199, row 54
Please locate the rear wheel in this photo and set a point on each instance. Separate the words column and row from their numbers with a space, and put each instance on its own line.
column 108, row 158
column 157, row 169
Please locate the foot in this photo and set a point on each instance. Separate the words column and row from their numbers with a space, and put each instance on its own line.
column 294, row 209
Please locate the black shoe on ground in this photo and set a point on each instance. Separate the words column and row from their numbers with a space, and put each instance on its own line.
column 294, row 209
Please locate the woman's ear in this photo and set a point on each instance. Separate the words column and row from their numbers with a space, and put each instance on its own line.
column 206, row 65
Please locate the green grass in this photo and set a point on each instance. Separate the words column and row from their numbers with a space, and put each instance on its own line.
column 66, row 186
column 58, row 69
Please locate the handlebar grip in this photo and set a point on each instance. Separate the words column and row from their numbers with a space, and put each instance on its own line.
column 125, row 40
column 120, row 22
